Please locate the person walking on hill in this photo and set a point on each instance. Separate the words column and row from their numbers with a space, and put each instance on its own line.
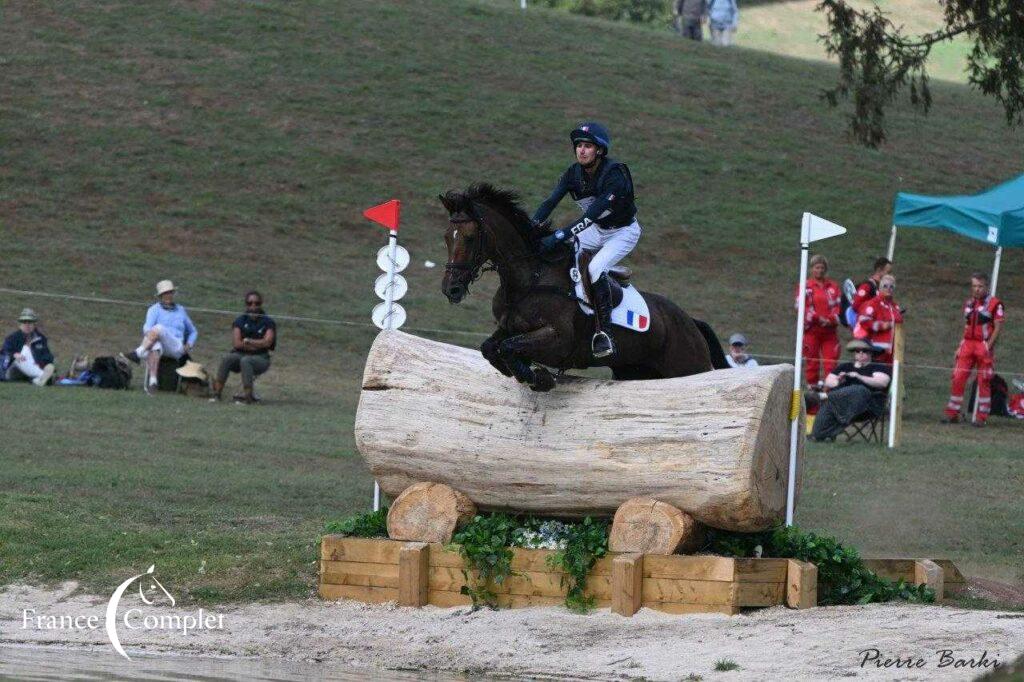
column 26, row 355
column 253, row 336
column 821, row 318
column 689, row 17
column 878, row 319
column 724, row 19
column 603, row 189
column 983, row 321
column 168, row 330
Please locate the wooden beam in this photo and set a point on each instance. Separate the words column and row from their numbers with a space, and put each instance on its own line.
column 413, row 570
column 627, row 583
column 927, row 572
column 801, row 584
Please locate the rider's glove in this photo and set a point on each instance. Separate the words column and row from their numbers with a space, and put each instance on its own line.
column 552, row 240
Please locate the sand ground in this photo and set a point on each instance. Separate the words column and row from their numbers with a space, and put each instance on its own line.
column 542, row 643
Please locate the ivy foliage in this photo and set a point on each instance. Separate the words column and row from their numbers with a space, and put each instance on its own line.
column 368, row 525
column 585, row 543
column 877, row 61
column 842, row 576
column 485, row 545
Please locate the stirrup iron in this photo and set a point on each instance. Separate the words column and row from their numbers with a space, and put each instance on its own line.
column 608, row 350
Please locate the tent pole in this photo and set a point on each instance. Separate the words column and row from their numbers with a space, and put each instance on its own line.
column 995, row 270
column 892, row 243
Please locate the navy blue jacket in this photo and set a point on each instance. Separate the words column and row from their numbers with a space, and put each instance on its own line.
column 16, row 341
column 256, row 329
column 606, row 197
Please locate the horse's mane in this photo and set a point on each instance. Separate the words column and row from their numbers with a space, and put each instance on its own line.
column 504, row 201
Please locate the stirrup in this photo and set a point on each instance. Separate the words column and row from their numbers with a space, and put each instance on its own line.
column 608, row 350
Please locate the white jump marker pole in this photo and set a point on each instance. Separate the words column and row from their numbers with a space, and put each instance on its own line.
column 812, row 229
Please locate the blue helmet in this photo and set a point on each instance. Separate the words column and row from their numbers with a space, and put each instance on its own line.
column 590, row 131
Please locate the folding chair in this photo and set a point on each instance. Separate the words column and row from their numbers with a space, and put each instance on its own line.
column 868, row 426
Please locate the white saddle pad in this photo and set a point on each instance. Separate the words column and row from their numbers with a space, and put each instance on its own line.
column 632, row 313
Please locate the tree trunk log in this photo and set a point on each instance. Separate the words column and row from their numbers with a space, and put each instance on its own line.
column 715, row 445
column 646, row 526
column 429, row 512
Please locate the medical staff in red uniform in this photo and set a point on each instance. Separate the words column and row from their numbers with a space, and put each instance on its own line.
column 878, row 318
column 821, row 318
column 983, row 320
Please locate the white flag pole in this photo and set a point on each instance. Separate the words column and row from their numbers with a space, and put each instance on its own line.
column 392, row 262
column 794, row 407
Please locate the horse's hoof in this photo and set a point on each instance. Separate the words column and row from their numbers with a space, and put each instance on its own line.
column 544, row 381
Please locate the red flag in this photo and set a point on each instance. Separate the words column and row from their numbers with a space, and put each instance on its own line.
column 385, row 214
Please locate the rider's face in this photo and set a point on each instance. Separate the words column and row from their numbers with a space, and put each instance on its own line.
column 586, row 152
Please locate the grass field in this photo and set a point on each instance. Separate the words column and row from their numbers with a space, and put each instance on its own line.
column 230, row 145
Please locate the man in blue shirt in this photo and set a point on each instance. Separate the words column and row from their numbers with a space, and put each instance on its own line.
column 603, row 189
column 253, row 336
column 168, row 330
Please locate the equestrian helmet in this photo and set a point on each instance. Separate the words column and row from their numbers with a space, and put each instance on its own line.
column 590, row 131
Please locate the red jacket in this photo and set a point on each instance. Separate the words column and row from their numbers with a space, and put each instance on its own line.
column 980, row 317
column 823, row 297
column 874, row 314
column 866, row 291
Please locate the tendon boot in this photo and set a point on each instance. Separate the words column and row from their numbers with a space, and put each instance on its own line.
column 601, row 345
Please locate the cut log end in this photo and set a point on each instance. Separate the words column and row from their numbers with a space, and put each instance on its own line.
column 647, row 526
column 429, row 512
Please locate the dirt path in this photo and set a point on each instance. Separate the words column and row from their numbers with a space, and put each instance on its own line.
column 546, row 642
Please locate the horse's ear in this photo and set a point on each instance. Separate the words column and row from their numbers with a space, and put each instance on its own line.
column 448, row 204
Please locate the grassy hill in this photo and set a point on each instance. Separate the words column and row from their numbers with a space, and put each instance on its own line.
column 232, row 145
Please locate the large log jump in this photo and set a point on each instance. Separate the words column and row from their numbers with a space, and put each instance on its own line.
column 714, row 445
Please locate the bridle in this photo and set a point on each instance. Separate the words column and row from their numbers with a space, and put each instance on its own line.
column 471, row 269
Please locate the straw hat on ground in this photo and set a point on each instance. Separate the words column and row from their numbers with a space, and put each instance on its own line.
column 192, row 370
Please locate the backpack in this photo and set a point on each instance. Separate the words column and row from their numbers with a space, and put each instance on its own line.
column 109, row 373
column 1000, row 397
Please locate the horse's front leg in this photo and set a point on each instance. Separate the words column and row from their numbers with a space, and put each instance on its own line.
column 490, row 350
column 517, row 350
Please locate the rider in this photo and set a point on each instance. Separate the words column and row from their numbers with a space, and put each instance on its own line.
column 603, row 189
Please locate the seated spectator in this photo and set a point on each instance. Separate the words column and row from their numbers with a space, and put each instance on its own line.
column 253, row 336
column 737, row 356
column 878, row 318
column 167, row 331
column 851, row 389
column 25, row 355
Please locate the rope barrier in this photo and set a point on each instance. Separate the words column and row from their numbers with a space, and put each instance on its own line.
column 351, row 323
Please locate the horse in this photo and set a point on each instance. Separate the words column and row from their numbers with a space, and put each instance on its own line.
column 540, row 323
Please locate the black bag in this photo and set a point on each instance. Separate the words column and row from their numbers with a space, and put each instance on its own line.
column 1000, row 397
column 109, row 373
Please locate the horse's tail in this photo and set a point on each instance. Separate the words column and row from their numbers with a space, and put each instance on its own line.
column 714, row 345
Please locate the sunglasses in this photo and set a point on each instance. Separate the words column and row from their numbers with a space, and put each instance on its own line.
column 887, row 286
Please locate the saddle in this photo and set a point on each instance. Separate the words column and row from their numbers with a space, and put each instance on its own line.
column 629, row 309
column 618, row 277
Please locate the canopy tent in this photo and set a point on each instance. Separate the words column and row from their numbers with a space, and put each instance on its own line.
column 995, row 216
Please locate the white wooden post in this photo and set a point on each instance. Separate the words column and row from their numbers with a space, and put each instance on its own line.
column 798, row 356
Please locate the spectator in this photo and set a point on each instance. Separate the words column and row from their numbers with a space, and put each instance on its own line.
column 867, row 290
column 821, row 318
column 852, row 389
column 983, row 321
column 737, row 356
column 254, row 335
column 26, row 355
column 689, row 18
column 723, row 19
column 878, row 319
column 168, row 330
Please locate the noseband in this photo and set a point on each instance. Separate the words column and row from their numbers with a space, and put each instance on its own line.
column 472, row 266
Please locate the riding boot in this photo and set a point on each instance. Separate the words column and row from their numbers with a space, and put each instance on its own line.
column 602, row 345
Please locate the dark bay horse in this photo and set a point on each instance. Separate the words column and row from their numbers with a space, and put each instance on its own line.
column 539, row 319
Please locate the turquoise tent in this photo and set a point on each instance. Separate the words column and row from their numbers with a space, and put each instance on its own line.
column 995, row 216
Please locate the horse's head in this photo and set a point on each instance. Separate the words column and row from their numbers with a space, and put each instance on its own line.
column 466, row 240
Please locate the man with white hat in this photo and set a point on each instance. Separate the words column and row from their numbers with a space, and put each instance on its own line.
column 168, row 330
column 737, row 356
column 26, row 355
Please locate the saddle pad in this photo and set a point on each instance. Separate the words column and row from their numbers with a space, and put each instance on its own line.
column 632, row 313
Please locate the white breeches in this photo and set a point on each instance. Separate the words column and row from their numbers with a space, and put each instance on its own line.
column 609, row 246
column 166, row 344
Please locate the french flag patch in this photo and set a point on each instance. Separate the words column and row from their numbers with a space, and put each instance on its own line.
column 637, row 321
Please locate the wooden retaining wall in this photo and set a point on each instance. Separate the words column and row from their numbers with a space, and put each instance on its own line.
column 414, row 574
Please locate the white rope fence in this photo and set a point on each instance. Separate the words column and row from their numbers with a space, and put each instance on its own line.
column 350, row 323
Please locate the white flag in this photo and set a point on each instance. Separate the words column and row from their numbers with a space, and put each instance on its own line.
column 815, row 229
